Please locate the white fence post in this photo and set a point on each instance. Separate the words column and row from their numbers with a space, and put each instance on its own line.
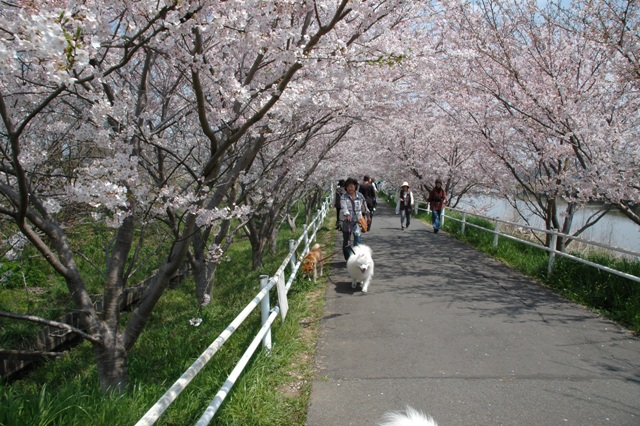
column 264, row 335
column 464, row 222
column 496, row 234
column 552, row 250
column 305, row 232
column 292, row 247
column 265, row 308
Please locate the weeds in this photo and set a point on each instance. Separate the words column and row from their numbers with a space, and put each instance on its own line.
column 274, row 389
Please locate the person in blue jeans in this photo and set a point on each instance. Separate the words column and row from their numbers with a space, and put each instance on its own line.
column 352, row 207
column 437, row 200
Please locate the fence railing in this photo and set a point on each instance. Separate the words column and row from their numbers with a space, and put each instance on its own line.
column 554, row 234
column 263, row 335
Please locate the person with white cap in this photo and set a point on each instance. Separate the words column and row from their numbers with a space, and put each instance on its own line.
column 404, row 204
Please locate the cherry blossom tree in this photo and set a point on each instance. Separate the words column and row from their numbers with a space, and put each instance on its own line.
column 407, row 126
column 68, row 139
column 141, row 112
column 544, row 103
column 615, row 25
column 285, row 174
column 212, row 118
column 272, row 63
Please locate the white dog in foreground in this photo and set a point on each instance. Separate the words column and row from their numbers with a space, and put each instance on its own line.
column 360, row 266
column 410, row 417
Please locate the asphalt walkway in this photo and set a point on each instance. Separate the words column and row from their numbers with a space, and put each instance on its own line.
column 458, row 335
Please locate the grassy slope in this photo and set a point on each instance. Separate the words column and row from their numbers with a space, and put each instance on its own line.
column 274, row 390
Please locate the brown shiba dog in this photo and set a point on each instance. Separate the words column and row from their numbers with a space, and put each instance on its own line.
column 312, row 261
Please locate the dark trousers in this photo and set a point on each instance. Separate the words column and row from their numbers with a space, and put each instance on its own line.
column 405, row 216
column 347, row 249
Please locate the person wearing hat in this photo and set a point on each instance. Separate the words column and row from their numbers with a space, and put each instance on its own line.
column 437, row 199
column 404, row 205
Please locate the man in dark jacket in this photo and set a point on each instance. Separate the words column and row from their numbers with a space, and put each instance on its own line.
column 437, row 199
column 368, row 192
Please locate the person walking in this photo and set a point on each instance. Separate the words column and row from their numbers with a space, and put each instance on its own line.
column 437, row 200
column 375, row 191
column 340, row 191
column 368, row 192
column 352, row 209
column 404, row 204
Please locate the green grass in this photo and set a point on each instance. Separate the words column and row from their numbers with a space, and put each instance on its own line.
column 612, row 296
column 274, row 389
column 30, row 286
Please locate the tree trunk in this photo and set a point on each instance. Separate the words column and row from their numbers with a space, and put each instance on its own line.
column 273, row 239
column 566, row 226
column 550, row 219
column 111, row 357
column 204, row 273
column 257, row 253
column 199, row 267
column 628, row 209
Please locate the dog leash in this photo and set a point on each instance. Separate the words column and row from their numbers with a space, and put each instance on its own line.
column 322, row 259
column 331, row 255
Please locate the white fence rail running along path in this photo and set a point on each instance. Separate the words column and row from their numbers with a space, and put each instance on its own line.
column 552, row 244
column 264, row 334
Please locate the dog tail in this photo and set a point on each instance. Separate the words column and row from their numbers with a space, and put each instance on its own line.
column 410, row 417
column 315, row 246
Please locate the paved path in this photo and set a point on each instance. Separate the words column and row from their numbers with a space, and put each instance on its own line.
column 451, row 332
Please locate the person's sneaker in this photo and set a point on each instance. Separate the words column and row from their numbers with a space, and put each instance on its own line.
column 436, row 231
column 402, row 227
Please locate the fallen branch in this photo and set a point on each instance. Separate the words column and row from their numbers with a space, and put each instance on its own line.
column 56, row 324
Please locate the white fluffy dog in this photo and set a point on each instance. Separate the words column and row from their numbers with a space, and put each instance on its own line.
column 409, row 418
column 360, row 266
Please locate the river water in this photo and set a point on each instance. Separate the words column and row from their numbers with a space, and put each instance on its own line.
column 615, row 229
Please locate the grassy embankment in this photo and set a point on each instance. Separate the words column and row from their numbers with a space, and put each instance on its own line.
column 273, row 390
column 614, row 297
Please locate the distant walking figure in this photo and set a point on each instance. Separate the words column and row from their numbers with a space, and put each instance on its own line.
column 437, row 199
column 404, row 205
column 369, row 193
column 340, row 191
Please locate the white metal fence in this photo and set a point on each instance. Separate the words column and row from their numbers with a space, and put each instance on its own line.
column 264, row 334
column 554, row 234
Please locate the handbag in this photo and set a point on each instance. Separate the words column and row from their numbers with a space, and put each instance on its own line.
column 362, row 221
column 363, row 224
